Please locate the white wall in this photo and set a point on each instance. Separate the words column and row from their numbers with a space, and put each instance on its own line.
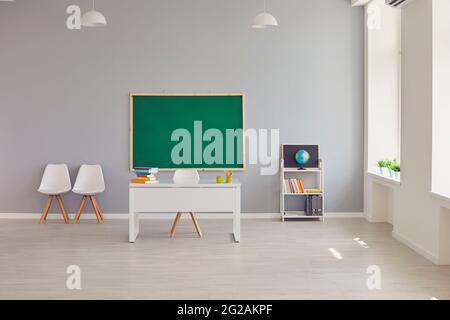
column 420, row 220
column 64, row 93
column 416, row 215
column 441, row 97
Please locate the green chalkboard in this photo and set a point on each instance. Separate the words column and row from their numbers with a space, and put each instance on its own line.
column 201, row 131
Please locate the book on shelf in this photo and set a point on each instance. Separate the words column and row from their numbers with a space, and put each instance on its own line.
column 302, row 188
column 313, row 191
column 293, row 186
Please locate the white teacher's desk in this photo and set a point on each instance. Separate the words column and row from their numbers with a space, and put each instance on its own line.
column 167, row 197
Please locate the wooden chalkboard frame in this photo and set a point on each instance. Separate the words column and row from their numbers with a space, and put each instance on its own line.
column 242, row 95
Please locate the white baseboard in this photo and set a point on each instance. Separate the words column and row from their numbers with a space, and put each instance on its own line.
column 124, row 216
column 372, row 220
column 414, row 246
column 344, row 215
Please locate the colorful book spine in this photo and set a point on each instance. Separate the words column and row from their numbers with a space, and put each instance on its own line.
column 302, row 188
column 294, row 186
column 140, row 170
column 144, row 182
column 144, row 177
column 137, row 172
column 152, row 182
column 313, row 191
column 298, row 187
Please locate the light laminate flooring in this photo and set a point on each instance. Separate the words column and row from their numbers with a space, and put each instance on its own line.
column 291, row 260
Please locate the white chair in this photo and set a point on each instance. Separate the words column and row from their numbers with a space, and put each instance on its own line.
column 55, row 181
column 89, row 183
column 186, row 177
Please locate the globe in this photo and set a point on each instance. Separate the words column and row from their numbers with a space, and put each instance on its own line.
column 302, row 157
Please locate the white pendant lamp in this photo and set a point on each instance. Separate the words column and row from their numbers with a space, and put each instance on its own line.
column 264, row 20
column 93, row 18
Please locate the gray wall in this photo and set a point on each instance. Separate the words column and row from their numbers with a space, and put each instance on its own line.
column 64, row 94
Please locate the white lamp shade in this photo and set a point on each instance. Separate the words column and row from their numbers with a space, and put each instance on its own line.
column 264, row 20
column 93, row 19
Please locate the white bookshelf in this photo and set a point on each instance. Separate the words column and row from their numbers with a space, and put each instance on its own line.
column 312, row 179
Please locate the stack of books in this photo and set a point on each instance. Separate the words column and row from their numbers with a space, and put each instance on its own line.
column 293, row 186
column 145, row 175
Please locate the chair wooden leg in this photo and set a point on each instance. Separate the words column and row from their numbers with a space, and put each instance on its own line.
column 46, row 209
column 197, row 226
column 174, row 226
column 80, row 209
column 97, row 208
column 62, row 208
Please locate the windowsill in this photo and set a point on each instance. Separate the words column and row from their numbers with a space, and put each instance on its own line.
column 441, row 197
column 385, row 179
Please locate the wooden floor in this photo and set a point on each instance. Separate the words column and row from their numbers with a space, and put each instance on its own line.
column 275, row 260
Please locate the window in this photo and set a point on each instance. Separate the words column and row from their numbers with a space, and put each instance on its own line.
column 383, row 85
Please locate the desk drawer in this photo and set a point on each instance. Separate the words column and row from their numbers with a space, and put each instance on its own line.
column 183, row 199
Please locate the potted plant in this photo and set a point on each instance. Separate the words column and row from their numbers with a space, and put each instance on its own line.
column 395, row 167
column 382, row 165
column 389, row 164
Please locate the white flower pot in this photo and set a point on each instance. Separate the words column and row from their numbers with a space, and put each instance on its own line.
column 396, row 175
column 385, row 171
column 391, row 173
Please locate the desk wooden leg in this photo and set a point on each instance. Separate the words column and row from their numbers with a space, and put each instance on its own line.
column 46, row 209
column 174, row 226
column 197, row 226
